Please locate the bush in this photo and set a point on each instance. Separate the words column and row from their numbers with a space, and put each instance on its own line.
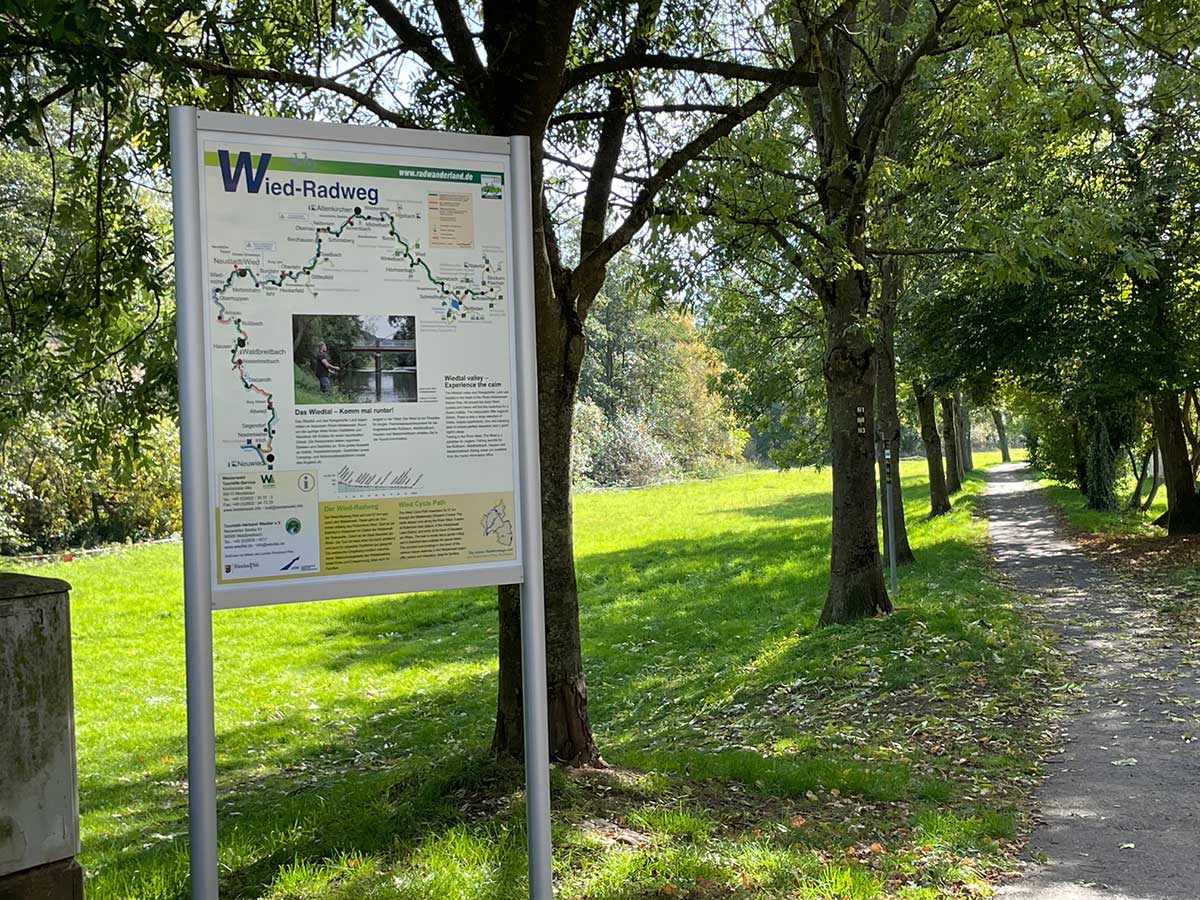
column 655, row 368
column 57, row 495
column 1054, row 443
column 587, row 437
column 629, row 455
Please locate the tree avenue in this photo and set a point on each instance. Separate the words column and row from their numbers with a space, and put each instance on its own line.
column 808, row 186
column 984, row 206
column 1073, row 299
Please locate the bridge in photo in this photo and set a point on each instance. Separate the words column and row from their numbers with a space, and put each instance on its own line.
column 380, row 346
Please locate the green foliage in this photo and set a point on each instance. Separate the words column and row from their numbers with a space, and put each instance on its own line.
column 1052, row 438
column 337, row 332
column 308, row 389
column 651, row 376
column 1101, row 468
column 54, row 496
column 1079, row 177
column 773, row 351
column 85, row 306
column 1083, row 442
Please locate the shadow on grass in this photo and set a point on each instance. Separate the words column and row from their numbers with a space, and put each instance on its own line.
column 686, row 639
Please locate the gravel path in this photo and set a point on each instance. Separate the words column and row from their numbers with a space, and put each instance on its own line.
column 1119, row 814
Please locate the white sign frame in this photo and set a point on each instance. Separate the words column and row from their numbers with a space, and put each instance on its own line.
column 202, row 595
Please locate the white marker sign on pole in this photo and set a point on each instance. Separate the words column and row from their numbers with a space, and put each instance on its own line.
column 358, row 396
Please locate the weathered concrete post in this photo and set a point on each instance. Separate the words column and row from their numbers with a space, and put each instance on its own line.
column 39, row 801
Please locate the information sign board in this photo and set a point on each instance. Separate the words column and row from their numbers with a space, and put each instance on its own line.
column 358, row 396
column 359, row 363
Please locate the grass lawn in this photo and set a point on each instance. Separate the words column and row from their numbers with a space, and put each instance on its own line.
column 1090, row 521
column 1127, row 539
column 749, row 755
column 1124, row 522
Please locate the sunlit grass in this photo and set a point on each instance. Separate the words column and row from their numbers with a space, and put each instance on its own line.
column 1124, row 521
column 749, row 752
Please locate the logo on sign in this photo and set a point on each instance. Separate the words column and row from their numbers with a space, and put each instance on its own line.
column 232, row 175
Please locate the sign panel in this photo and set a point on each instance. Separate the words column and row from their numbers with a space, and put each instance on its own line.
column 359, row 364
column 357, row 392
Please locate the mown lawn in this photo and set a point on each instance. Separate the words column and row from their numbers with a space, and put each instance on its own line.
column 1128, row 541
column 1123, row 523
column 750, row 756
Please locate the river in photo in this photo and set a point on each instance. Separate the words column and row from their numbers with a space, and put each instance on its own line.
column 397, row 386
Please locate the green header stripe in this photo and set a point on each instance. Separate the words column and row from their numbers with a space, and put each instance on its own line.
column 372, row 170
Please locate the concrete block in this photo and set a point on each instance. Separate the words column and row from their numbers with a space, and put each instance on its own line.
column 39, row 805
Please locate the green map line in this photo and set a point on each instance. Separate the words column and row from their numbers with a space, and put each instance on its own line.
column 455, row 308
column 365, row 169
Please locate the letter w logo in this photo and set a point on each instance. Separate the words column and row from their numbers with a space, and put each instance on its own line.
column 254, row 177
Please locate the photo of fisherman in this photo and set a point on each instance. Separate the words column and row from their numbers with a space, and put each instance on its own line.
column 324, row 368
column 354, row 358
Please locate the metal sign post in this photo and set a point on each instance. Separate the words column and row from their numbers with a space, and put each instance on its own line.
column 891, row 516
column 426, row 234
column 197, row 595
column 533, row 606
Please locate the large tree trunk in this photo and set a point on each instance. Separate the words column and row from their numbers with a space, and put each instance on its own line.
column 888, row 410
column 939, row 496
column 560, row 348
column 856, row 587
column 1183, row 505
column 962, row 425
column 954, row 473
column 508, row 738
column 1078, row 449
column 571, row 739
column 1001, row 434
column 1192, row 438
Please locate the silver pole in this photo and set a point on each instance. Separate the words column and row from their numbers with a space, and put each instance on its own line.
column 891, row 519
column 197, row 598
column 533, row 613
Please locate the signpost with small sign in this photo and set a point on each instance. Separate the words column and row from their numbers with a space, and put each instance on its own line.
column 891, row 515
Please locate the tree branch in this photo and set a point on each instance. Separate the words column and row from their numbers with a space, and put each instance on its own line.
column 415, row 39
column 952, row 250
column 608, row 153
column 720, row 108
column 586, row 72
column 593, row 264
column 299, row 79
column 461, row 42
